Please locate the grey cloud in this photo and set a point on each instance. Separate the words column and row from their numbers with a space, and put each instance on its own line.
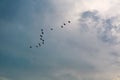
column 115, row 58
column 90, row 14
column 115, row 54
column 87, row 17
column 102, row 26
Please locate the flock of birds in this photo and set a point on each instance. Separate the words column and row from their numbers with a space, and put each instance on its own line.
column 42, row 35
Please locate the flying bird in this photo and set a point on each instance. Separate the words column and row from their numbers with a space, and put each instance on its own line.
column 39, row 44
column 41, row 39
column 30, row 46
column 41, row 36
column 41, row 29
column 42, row 32
column 36, row 46
column 61, row 26
column 64, row 24
column 43, row 42
column 51, row 29
column 69, row 21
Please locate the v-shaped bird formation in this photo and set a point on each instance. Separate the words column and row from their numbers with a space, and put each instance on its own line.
column 42, row 41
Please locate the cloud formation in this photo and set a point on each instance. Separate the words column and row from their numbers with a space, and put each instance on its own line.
column 87, row 49
column 105, row 28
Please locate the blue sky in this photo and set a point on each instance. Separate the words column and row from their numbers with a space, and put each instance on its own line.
column 85, row 49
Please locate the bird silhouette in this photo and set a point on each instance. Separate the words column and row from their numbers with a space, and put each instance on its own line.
column 51, row 29
column 41, row 36
column 61, row 26
column 69, row 21
column 43, row 42
column 41, row 39
column 64, row 24
column 30, row 47
column 42, row 32
column 39, row 44
column 36, row 46
column 41, row 29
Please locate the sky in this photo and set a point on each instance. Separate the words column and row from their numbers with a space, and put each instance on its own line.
column 86, row 49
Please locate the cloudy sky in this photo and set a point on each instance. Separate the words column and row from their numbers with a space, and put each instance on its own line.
column 86, row 49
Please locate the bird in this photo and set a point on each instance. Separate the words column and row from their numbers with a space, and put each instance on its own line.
column 39, row 44
column 68, row 21
column 43, row 42
column 42, row 32
column 36, row 46
column 41, row 29
column 41, row 36
column 30, row 46
column 41, row 39
column 61, row 26
column 64, row 24
column 51, row 29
